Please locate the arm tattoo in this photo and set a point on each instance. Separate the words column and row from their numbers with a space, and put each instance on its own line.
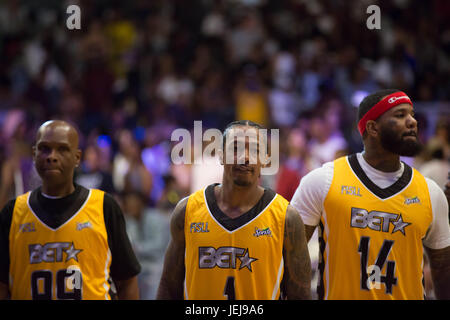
column 440, row 271
column 297, row 268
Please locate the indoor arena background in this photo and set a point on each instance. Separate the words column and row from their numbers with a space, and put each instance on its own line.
column 137, row 70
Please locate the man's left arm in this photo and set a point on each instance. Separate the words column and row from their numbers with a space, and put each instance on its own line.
column 124, row 264
column 127, row 289
column 440, row 271
column 437, row 242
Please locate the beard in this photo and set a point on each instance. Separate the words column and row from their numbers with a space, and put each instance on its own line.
column 393, row 142
column 242, row 182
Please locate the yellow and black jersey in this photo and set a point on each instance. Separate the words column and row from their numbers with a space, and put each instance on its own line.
column 239, row 258
column 371, row 238
column 65, row 248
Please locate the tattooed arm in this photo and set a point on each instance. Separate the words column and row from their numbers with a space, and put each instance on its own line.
column 171, row 283
column 440, row 271
column 296, row 284
column 437, row 242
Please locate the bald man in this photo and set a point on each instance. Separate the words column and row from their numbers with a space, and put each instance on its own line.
column 61, row 240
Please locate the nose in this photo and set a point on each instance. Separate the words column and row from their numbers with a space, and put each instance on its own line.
column 242, row 156
column 411, row 122
column 51, row 157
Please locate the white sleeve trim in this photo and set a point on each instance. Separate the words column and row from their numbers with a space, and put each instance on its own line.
column 309, row 197
column 438, row 234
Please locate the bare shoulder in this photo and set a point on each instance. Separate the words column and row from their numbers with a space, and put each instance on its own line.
column 297, row 278
column 439, row 257
column 177, row 218
column 293, row 218
column 294, row 227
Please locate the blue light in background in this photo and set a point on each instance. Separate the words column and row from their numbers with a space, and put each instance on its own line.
column 139, row 133
column 358, row 96
column 103, row 141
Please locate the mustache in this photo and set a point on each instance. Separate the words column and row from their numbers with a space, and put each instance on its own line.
column 410, row 133
column 243, row 167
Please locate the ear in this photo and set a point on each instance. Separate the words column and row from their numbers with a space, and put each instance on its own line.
column 33, row 152
column 77, row 157
column 372, row 128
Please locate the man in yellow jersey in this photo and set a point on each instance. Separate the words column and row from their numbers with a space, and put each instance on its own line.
column 236, row 240
column 376, row 214
column 63, row 241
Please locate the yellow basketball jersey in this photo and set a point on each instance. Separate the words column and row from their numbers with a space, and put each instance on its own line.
column 371, row 238
column 69, row 262
column 238, row 258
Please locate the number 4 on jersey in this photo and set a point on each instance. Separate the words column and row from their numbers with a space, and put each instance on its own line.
column 389, row 279
column 229, row 290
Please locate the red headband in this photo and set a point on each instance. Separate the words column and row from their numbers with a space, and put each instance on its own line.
column 381, row 107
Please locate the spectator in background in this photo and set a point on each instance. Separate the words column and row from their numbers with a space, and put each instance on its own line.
column 285, row 103
column 137, row 178
column 437, row 167
column 17, row 172
column 156, row 159
column 147, row 229
column 441, row 137
column 213, row 100
column 97, row 79
column 247, row 32
column 324, row 143
column 207, row 171
column 90, row 175
column 122, row 158
column 251, row 97
column 171, row 194
column 295, row 165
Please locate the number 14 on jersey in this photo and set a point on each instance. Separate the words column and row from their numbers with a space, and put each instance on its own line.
column 371, row 275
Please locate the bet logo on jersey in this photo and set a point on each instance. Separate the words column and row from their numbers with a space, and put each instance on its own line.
column 377, row 220
column 224, row 258
column 53, row 252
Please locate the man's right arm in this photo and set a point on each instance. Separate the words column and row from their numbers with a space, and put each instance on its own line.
column 171, row 283
column 309, row 197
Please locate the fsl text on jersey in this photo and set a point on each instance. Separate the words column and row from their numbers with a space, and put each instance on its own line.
column 199, row 227
column 350, row 190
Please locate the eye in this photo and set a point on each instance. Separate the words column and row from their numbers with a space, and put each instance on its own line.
column 43, row 148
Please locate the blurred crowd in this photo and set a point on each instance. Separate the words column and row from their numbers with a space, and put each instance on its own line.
column 137, row 70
